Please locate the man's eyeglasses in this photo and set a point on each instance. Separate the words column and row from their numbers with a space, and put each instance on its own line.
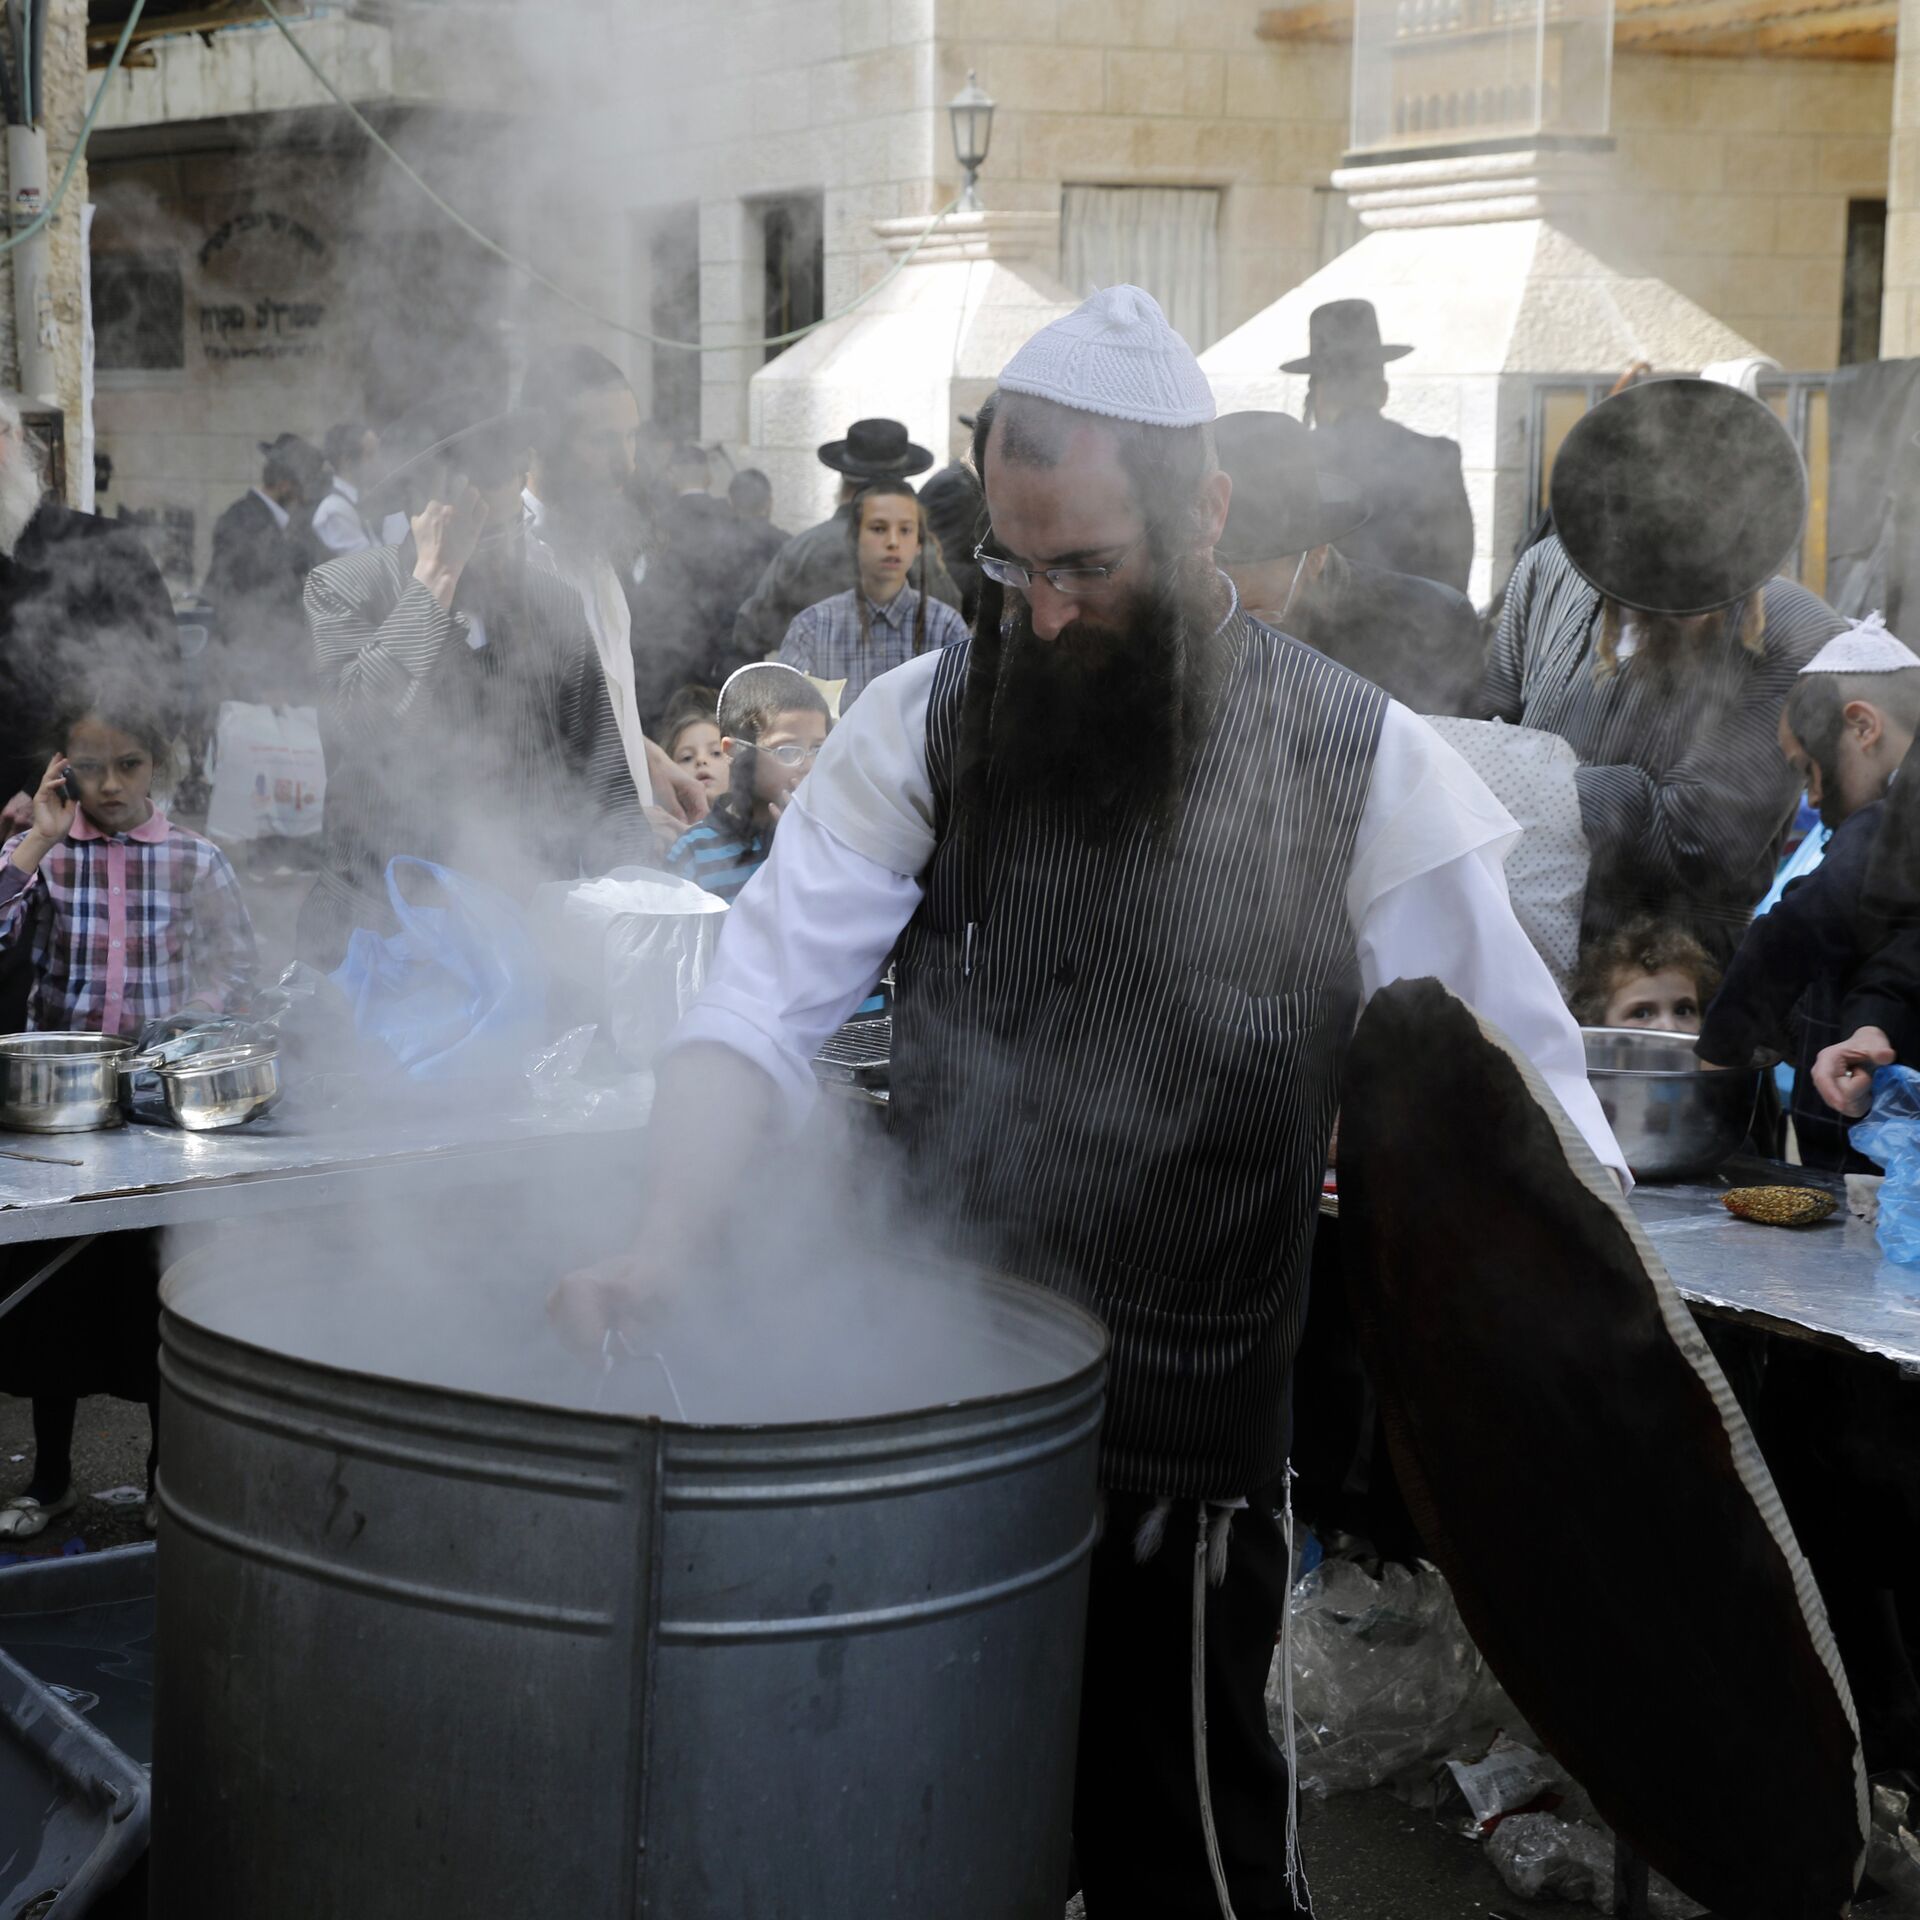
column 1071, row 581
column 790, row 753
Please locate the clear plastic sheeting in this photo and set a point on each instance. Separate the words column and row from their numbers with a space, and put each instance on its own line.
column 1893, row 1850
column 1540, row 1856
column 1384, row 1675
column 634, row 948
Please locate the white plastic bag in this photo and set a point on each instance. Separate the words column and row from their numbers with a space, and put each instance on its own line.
column 269, row 773
column 636, row 946
column 1531, row 775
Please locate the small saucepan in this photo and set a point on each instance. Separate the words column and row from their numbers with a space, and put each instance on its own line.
column 225, row 1087
column 60, row 1082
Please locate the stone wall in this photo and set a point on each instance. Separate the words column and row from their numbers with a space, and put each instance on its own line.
column 1162, row 93
column 313, row 291
column 1733, row 178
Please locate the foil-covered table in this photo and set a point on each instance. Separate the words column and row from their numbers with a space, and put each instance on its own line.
column 152, row 1176
column 1826, row 1283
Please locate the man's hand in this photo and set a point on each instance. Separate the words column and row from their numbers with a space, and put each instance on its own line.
column 17, row 813
column 608, row 1298
column 1843, row 1073
column 676, row 793
column 445, row 536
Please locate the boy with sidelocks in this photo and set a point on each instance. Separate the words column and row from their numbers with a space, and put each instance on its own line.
column 130, row 918
column 773, row 723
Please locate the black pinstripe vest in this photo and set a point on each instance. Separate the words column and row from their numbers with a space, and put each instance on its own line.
column 1117, row 1064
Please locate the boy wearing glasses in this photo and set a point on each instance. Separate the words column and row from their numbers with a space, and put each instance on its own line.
column 773, row 723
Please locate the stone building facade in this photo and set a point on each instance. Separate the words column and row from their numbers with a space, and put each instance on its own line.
column 704, row 170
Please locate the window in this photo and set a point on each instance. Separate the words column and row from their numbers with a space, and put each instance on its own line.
column 1862, row 283
column 793, row 265
column 673, row 259
column 1165, row 239
column 139, row 315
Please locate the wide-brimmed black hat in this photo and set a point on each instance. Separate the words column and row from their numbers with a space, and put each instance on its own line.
column 468, row 423
column 1344, row 337
column 875, row 450
column 1282, row 503
column 1679, row 496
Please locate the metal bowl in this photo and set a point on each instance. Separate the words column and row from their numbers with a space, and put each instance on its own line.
column 1674, row 1120
column 224, row 1088
column 60, row 1082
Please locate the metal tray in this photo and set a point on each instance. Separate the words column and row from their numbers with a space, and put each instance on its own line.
column 74, row 1805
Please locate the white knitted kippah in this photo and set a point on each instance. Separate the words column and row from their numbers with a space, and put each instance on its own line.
column 1115, row 355
column 1865, row 647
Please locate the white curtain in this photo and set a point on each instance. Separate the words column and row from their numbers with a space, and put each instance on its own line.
column 1166, row 239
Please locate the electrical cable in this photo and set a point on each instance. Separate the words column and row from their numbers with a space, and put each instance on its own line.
column 553, row 287
column 45, row 216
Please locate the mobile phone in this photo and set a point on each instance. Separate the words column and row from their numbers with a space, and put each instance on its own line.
column 70, row 784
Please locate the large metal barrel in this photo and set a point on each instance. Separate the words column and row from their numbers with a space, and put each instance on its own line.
column 429, row 1653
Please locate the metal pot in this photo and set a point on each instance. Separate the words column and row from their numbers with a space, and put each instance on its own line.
column 1674, row 1120
column 60, row 1082
column 226, row 1087
column 541, row 1660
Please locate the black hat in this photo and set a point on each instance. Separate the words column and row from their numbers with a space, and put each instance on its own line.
column 875, row 450
column 468, row 423
column 1344, row 337
column 1679, row 496
column 1282, row 503
column 289, row 446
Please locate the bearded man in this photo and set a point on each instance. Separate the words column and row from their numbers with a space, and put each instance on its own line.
column 1650, row 633
column 1141, row 857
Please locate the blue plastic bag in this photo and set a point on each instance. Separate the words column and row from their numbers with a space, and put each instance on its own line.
column 1890, row 1136
column 460, row 991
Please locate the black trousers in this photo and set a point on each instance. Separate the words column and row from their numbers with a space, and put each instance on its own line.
column 1136, row 1810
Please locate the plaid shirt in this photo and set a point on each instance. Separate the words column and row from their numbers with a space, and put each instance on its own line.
column 128, row 928
column 824, row 639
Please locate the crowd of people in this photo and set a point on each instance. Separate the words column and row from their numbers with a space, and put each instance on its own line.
column 542, row 645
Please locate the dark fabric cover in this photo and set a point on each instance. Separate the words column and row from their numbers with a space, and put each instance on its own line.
column 1679, row 496
column 1421, row 520
column 1581, row 1474
column 80, row 595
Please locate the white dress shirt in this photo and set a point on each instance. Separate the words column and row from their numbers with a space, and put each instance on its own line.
column 610, row 621
column 808, row 936
column 281, row 517
column 337, row 522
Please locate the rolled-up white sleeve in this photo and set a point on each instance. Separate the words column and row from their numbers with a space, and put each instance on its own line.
column 1427, row 898
column 807, row 938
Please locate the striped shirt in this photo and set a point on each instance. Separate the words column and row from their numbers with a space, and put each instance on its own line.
column 825, row 639
column 1684, row 792
column 128, row 927
column 714, row 856
column 1118, row 1061
column 480, row 735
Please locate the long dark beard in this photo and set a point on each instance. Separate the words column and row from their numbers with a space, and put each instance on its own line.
column 1103, row 722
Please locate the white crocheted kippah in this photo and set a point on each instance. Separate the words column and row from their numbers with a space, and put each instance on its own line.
column 1865, row 647
column 1115, row 355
